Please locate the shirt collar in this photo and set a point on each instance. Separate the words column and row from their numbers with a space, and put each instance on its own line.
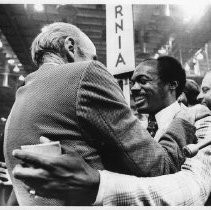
column 166, row 115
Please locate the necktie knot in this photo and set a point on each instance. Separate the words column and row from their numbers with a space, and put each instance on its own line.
column 152, row 125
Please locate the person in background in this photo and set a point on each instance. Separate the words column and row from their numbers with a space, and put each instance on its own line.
column 190, row 93
column 73, row 99
column 204, row 96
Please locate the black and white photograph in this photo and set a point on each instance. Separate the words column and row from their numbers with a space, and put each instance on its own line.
column 105, row 103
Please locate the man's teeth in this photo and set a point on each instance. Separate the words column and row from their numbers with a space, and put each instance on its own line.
column 139, row 98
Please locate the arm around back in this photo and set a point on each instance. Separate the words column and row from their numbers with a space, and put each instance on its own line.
column 190, row 186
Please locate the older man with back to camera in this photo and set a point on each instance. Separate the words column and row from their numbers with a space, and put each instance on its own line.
column 73, row 99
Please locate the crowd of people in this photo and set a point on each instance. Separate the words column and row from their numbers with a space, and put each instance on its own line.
column 108, row 156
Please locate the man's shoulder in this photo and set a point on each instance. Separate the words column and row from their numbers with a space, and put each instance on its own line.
column 93, row 70
column 205, row 121
column 70, row 70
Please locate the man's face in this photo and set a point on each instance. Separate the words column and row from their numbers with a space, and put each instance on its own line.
column 205, row 94
column 148, row 91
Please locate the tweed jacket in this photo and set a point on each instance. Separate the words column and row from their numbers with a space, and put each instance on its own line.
column 82, row 106
column 190, row 186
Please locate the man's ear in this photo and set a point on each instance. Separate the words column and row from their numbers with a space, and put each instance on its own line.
column 69, row 45
column 173, row 85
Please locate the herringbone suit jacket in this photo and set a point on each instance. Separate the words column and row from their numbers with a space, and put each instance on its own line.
column 82, row 106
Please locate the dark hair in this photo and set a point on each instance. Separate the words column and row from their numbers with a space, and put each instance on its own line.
column 191, row 91
column 170, row 69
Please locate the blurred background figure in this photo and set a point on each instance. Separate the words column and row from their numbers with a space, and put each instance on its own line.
column 190, row 93
column 204, row 96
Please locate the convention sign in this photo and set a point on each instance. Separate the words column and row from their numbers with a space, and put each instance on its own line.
column 119, row 38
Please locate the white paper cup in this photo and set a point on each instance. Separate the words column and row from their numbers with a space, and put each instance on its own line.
column 50, row 149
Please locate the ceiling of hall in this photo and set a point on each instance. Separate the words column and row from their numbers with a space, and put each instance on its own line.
column 182, row 35
column 154, row 29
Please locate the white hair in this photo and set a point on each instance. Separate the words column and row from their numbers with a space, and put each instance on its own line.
column 51, row 40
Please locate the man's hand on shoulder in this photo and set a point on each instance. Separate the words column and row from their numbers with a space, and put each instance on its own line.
column 194, row 113
column 200, row 111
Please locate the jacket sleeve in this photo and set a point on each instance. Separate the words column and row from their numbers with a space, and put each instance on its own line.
column 190, row 186
column 109, row 124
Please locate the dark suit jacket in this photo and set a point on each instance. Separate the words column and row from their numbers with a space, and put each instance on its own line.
column 82, row 106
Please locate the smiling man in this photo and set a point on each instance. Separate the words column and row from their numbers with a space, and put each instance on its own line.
column 205, row 94
column 157, row 83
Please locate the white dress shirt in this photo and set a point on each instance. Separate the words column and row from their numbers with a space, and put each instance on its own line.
column 165, row 117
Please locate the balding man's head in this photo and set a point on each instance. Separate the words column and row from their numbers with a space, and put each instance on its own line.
column 64, row 40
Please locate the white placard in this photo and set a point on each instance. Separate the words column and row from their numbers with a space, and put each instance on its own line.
column 119, row 38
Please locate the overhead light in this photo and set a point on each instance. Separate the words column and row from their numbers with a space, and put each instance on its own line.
column 3, row 119
column 19, row 64
column 11, row 61
column 21, row 78
column 156, row 55
column 16, row 69
column 1, row 44
column 193, row 10
column 39, row 7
